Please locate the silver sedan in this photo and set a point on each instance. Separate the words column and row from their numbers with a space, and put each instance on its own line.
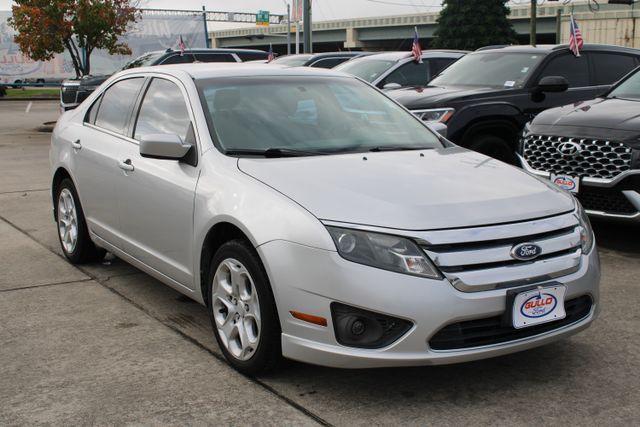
column 319, row 220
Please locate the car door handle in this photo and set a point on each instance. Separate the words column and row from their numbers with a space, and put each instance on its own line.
column 126, row 165
column 76, row 144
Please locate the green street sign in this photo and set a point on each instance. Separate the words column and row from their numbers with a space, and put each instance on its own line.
column 262, row 18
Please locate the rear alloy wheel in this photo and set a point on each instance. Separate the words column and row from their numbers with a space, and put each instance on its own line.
column 72, row 228
column 494, row 146
column 242, row 309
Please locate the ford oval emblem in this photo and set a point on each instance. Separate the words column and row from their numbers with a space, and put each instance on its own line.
column 526, row 251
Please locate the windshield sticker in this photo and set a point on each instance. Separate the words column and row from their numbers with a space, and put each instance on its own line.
column 524, row 70
column 509, row 83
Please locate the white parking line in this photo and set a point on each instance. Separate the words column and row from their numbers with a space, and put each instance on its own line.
column 28, row 107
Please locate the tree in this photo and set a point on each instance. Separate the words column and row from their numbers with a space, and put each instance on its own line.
column 470, row 24
column 47, row 27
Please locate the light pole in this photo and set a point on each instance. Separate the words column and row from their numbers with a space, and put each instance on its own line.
column 532, row 31
column 288, row 29
column 306, row 11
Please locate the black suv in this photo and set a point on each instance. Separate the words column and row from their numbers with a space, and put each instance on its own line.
column 74, row 91
column 592, row 149
column 486, row 97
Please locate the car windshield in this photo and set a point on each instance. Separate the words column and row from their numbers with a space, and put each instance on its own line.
column 310, row 115
column 291, row 60
column 365, row 68
column 490, row 68
column 629, row 88
column 143, row 60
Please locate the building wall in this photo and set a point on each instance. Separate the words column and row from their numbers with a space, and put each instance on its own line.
column 617, row 28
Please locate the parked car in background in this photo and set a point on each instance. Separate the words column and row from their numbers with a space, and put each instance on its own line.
column 592, row 149
column 318, row 60
column 486, row 98
column 74, row 91
column 319, row 220
column 392, row 70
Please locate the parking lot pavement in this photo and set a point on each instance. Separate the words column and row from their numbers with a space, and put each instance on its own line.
column 113, row 345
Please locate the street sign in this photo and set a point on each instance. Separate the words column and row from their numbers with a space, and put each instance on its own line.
column 262, row 18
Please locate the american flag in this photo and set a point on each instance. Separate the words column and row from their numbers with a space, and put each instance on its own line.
column 416, row 50
column 181, row 45
column 575, row 38
column 270, row 56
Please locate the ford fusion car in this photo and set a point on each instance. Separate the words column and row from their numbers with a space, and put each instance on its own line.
column 319, row 220
column 592, row 149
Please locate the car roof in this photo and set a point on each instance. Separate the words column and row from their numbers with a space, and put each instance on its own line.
column 343, row 53
column 548, row 48
column 398, row 55
column 199, row 71
column 208, row 50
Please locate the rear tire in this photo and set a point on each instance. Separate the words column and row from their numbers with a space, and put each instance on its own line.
column 242, row 309
column 73, row 233
column 494, row 146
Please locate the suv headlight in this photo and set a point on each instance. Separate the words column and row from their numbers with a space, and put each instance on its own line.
column 441, row 115
column 383, row 251
column 586, row 232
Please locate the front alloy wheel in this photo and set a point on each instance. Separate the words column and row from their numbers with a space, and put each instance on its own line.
column 67, row 221
column 236, row 309
column 242, row 309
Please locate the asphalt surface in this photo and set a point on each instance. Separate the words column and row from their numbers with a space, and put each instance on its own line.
column 107, row 344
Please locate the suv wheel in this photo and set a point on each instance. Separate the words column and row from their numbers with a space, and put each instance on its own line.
column 242, row 309
column 494, row 146
column 72, row 227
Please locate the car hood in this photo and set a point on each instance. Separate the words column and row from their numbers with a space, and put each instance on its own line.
column 411, row 190
column 607, row 113
column 425, row 97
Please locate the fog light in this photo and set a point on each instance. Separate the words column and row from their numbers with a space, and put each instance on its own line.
column 355, row 327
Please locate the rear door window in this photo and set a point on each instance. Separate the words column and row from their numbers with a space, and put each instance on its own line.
column 574, row 69
column 410, row 74
column 185, row 58
column 252, row 56
column 328, row 62
column 215, row 57
column 163, row 111
column 611, row 67
column 116, row 105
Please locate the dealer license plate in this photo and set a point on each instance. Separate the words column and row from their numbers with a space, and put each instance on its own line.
column 541, row 305
column 566, row 182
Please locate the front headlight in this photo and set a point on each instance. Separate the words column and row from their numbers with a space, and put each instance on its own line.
column 441, row 115
column 586, row 232
column 384, row 251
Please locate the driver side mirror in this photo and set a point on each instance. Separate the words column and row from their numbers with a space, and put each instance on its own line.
column 163, row 146
column 390, row 86
column 552, row 84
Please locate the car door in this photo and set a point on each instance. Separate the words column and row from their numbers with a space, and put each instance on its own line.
column 156, row 195
column 577, row 72
column 97, row 148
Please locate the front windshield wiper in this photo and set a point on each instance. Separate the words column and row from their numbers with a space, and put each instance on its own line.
column 272, row 152
column 396, row 148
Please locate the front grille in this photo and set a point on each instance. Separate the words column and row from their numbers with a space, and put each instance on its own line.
column 480, row 259
column 488, row 331
column 68, row 94
column 595, row 158
column 612, row 202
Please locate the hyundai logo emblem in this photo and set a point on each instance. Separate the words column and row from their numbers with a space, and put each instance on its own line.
column 569, row 148
column 526, row 251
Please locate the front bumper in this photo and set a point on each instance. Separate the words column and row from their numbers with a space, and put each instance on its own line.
column 307, row 280
column 617, row 198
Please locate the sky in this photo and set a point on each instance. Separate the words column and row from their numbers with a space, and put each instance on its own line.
column 322, row 9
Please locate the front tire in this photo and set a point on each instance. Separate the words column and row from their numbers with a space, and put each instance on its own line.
column 242, row 309
column 73, row 233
